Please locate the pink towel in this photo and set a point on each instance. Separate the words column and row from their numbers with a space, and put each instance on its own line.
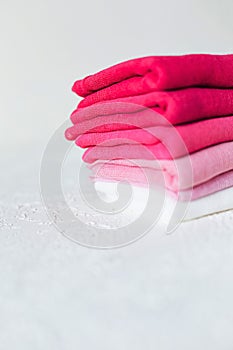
column 206, row 165
column 196, row 135
column 177, row 106
column 142, row 75
column 218, row 183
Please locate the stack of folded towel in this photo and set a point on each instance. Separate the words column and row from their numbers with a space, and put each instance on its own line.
column 132, row 112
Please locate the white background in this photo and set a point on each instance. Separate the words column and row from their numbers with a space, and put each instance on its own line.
column 172, row 293
column 46, row 45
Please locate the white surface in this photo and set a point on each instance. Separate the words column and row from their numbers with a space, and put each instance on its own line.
column 154, row 293
column 47, row 44
column 167, row 292
column 172, row 292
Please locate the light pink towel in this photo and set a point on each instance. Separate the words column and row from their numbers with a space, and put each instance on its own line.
column 141, row 75
column 206, row 164
column 218, row 183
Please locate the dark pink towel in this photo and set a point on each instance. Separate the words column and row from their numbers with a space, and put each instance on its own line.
column 177, row 107
column 196, row 135
column 142, row 75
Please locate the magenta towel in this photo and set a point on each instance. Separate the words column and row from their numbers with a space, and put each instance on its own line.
column 196, row 135
column 206, row 164
column 176, row 106
column 142, row 75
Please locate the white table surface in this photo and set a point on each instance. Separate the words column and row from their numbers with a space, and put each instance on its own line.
column 170, row 292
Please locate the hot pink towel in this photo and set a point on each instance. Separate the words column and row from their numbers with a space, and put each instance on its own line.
column 196, row 135
column 206, row 165
column 142, row 75
column 177, row 106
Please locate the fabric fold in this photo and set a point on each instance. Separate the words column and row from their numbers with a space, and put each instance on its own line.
column 196, row 136
column 217, row 202
column 205, row 164
column 172, row 145
column 142, row 75
column 216, row 184
column 177, row 106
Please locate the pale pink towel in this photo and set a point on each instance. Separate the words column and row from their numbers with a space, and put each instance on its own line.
column 218, row 183
column 206, row 164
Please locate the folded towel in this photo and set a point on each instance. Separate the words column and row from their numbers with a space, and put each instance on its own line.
column 205, row 164
column 118, row 174
column 176, row 106
column 142, row 75
column 214, row 185
column 193, row 138
column 212, row 204
column 196, row 136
